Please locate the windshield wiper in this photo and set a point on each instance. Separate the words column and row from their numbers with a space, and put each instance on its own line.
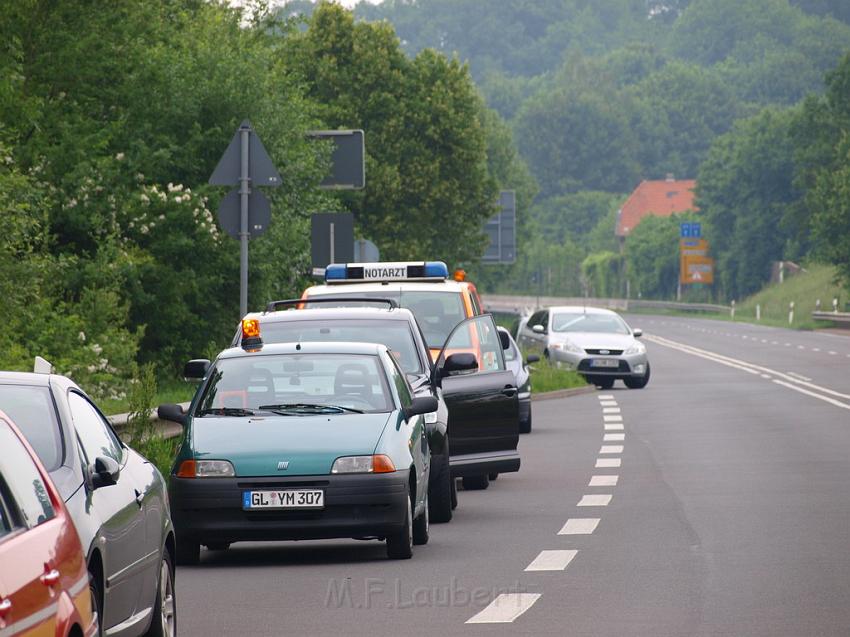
column 226, row 411
column 285, row 408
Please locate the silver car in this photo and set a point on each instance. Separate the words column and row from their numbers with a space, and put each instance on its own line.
column 597, row 343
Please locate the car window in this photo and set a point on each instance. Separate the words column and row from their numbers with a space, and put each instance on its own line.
column 403, row 389
column 296, row 384
column 395, row 334
column 22, row 479
column 6, row 523
column 511, row 354
column 580, row 322
column 95, row 435
column 536, row 319
column 480, row 337
column 31, row 408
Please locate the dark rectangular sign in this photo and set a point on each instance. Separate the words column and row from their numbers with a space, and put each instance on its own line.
column 501, row 230
column 348, row 159
column 331, row 238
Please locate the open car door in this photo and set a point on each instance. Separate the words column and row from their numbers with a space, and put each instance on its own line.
column 481, row 396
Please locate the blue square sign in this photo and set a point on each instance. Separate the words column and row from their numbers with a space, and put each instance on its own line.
column 685, row 230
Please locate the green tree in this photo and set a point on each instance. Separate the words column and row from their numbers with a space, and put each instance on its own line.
column 652, row 257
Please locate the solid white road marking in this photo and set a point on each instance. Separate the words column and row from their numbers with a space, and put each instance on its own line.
column 612, row 418
column 613, row 437
column 603, row 481
column 597, row 500
column 605, row 397
column 579, row 526
column 610, row 410
column 831, row 401
column 608, row 403
column 552, row 560
column 505, row 608
column 799, row 376
column 614, row 426
column 611, row 449
column 607, row 463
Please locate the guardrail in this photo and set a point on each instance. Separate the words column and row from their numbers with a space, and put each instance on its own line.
column 840, row 318
column 525, row 304
column 166, row 428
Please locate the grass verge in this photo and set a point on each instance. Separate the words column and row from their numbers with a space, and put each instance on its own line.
column 546, row 377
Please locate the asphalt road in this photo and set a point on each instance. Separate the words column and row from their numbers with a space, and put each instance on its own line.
column 713, row 502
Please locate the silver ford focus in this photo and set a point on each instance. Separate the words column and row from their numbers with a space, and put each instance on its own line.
column 597, row 343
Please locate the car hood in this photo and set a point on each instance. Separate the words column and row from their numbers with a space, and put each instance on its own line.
column 309, row 444
column 596, row 340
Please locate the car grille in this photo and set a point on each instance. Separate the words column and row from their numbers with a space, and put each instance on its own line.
column 584, row 366
column 266, row 483
column 604, row 352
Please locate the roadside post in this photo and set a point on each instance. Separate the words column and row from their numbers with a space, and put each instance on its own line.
column 791, row 313
column 245, row 213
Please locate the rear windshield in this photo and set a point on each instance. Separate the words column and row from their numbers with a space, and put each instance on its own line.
column 437, row 312
column 296, row 384
column 395, row 334
column 31, row 409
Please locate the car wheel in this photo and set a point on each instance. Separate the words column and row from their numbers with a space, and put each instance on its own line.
column 604, row 382
column 475, row 483
column 96, row 602
column 421, row 525
column 164, row 621
column 188, row 552
column 400, row 543
column 454, row 493
column 638, row 382
column 525, row 425
column 218, row 546
column 440, row 498
column 492, row 476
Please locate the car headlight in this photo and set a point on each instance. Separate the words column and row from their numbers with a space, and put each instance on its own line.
column 363, row 464
column 205, row 469
column 637, row 348
column 567, row 346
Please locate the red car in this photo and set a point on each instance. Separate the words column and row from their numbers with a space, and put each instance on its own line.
column 44, row 583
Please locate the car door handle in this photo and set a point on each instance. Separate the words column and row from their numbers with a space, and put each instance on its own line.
column 50, row 577
column 140, row 498
column 5, row 607
column 509, row 391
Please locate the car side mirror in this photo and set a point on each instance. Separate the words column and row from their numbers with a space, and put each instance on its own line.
column 420, row 405
column 532, row 358
column 459, row 363
column 637, row 332
column 538, row 329
column 196, row 369
column 505, row 338
column 172, row 412
column 106, row 472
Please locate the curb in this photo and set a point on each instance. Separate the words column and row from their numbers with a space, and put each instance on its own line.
column 564, row 393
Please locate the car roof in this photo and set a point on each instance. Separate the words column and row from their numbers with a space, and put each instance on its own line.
column 25, row 378
column 315, row 314
column 581, row 309
column 329, row 347
column 390, row 286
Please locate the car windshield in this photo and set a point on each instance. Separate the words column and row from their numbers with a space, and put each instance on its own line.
column 590, row 322
column 395, row 334
column 436, row 311
column 31, row 408
column 296, row 384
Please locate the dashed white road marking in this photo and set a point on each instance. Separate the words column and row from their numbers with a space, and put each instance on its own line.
column 603, row 481
column 831, row 353
column 800, row 376
column 611, row 449
column 579, row 526
column 787, row 344
column 595, row 500
column 612, row 418
column 610, row 410
column 800, row 347
column 613, row 437
column 608, row 403
column 816, row 349
column 614, row 426
column 552, row 560
column 605, row 397
column 607, row 463
column 765, row 376
column 774, row 342
column 505, row 608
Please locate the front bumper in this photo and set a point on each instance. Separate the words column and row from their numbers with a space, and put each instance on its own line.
column 362, row 505
column 477, row 464
column 627, row 364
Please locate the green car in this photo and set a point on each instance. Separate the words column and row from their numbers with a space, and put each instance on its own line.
column 301, row 441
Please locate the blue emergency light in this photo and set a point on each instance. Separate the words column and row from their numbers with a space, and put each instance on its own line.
column 379, row 272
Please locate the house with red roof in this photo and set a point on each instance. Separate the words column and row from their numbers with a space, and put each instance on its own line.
column 661, row 198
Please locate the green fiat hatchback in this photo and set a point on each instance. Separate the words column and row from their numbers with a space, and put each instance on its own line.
column 301, row 441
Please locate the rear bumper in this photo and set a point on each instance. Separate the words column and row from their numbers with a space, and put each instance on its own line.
column 210, row 510
column 476, row 464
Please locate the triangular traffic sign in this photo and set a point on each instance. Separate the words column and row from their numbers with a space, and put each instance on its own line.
column 261, row 169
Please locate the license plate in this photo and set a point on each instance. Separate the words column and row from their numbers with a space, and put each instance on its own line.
column 604, row 362
column 284, row 499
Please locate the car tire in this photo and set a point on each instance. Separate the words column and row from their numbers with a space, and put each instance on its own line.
column 637, row 382
column 440, row 498
column 400, row 543
column 604, row 382
column 96, row 602
column 454, row 493
column 492, row 476
column 421, row 526
column 218, row 546
column 188, row 552
column 475, row 483
column 164, row 620
column 525, row 425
